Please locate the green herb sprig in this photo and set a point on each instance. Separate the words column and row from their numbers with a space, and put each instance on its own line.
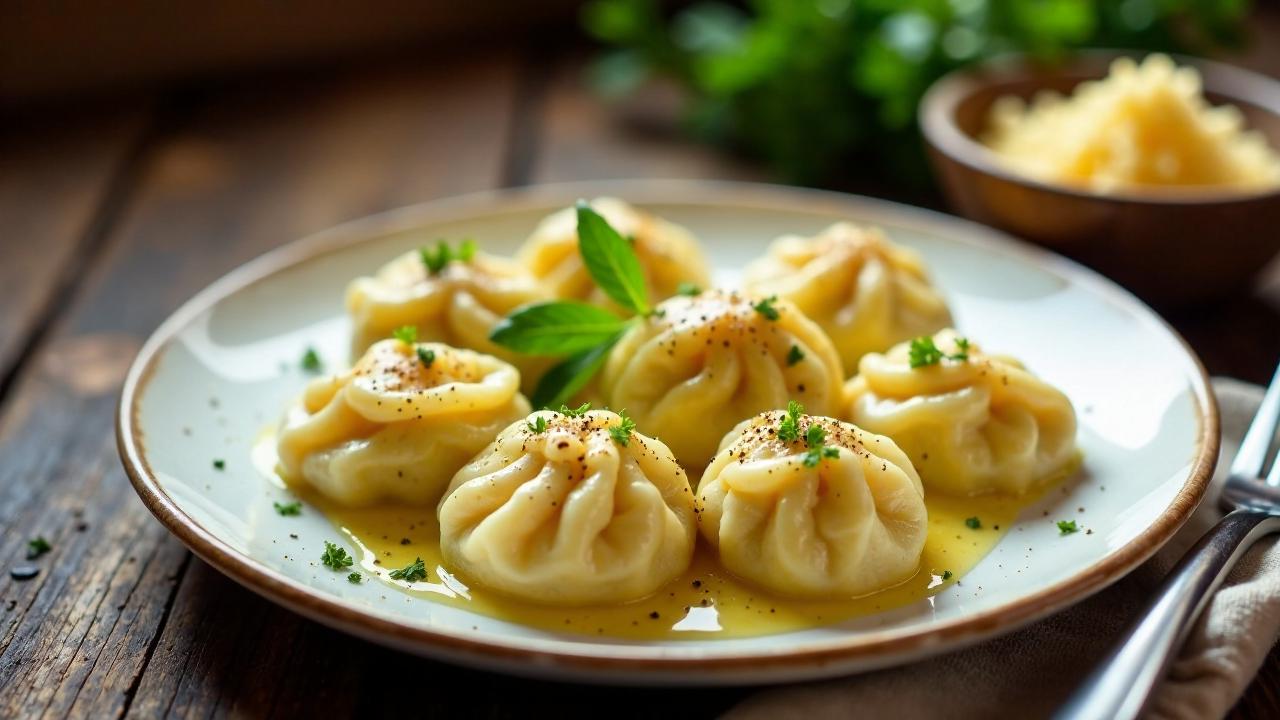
column 1067, row 527
column 406, row 334
column 426, row 357
column 814, row 437
column 925, row 352
column 582, row 332
column 621, row 433
column 435, row 259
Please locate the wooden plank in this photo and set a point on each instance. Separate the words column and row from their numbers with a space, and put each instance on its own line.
column 54, row 180
column 248, row 169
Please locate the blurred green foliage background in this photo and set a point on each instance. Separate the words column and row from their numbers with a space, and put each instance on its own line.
column 825, row 89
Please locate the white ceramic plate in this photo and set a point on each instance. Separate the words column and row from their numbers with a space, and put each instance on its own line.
column 223, row 367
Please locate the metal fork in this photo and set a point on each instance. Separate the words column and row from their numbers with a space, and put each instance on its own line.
column 1121, row 685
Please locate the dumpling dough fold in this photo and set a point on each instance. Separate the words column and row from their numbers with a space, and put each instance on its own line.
column 458, row 306
column 980, row 425
column 692, row 372
column 850, row 525
column 866, row 292
column 393, row 428
column 568, row 515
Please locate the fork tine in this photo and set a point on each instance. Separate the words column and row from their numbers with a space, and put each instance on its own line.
column 1253, row 449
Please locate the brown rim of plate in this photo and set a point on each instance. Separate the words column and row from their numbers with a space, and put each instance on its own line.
column 876, row 646
column 939, row 103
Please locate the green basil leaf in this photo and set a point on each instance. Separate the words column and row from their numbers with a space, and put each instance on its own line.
column 611, row 261
column 556, row 328
column 564, row 380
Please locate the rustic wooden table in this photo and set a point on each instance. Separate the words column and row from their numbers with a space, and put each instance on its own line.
column 111, row 214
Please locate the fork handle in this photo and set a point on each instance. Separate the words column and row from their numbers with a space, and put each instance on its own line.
column 1121, row 685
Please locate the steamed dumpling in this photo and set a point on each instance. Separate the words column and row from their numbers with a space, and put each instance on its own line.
column 864, row 291
column 567, row 514
column 394, row 427
column 838, row 518
column 458, row 306
column 976, row 425
column 668, row 253
column 694, row 370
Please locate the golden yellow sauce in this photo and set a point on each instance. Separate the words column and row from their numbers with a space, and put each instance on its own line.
column 706, row 599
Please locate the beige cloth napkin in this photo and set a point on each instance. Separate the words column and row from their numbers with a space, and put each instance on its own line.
column 1032, row 671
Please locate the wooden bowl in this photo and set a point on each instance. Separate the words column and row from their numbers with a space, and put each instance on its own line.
column 1170, row 249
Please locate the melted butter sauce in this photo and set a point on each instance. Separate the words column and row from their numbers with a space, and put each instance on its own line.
column 704, row 600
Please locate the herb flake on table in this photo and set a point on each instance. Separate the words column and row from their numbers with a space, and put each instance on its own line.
column 335, row 557
column 219, row 464
column 291, row 509
column 1067, row 527
column 37, row 546
column 354, row 578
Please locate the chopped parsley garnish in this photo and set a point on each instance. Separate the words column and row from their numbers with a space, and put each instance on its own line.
column 1066, row 527
column 688, row 289
column 973, row 523
column 311, row 360
column 925, row 352
column 292, row 509
column 37, row 547
column 436, row 260
column 354, row 578
column 946, row 575
column 795, row 355
column 817, row 454
column 407, row 334
column 335, row 557
column 815, row 435
column 789, row 426
column 575, row 412
column 539, row 425
column 219, row 464
column 765, row 307
column 412, row 572
column 426, row 357
column 621, row 433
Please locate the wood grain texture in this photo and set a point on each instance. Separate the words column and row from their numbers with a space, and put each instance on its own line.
column 55, row 174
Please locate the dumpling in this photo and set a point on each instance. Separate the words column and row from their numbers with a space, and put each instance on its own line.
column 668, row 253
column 974, row 425
column 864, row 291
column 399, row 424
column 458, row 305
column 701, row 364
column 560, row 511
column 838, row 515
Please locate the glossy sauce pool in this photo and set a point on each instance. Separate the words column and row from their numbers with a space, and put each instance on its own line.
column 704, row 600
